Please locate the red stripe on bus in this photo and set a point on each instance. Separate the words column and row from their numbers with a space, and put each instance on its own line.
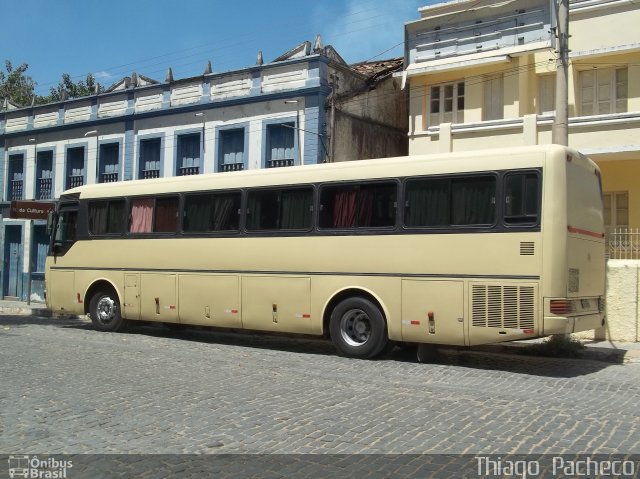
column 585, row 232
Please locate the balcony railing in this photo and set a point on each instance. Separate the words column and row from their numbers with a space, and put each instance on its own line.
column 232, row 167
column 109, row 177
column 280, row 163
column 16, row 190
column 189, row 170
column 75, row 180
column 148, row 174
column 45, row 186
column 623, row 243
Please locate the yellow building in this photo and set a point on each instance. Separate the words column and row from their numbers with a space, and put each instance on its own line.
column 481, row 74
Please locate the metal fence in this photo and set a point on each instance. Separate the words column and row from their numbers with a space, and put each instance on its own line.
column 623, row 243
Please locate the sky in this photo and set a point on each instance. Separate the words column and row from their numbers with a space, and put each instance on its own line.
column 113, row 38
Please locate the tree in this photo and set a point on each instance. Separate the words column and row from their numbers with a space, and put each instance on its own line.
column 67, row 88
column 15, row 85
column 20, row 88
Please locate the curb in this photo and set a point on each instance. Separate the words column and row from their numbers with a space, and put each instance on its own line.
column 26, row 311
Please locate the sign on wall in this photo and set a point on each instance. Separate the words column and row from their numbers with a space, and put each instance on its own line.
column 30, row 210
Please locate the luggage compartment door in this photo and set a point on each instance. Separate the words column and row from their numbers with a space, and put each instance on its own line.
column 433, row 311
column 276, row 304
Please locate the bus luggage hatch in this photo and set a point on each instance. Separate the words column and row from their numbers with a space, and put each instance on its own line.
column 433, row 312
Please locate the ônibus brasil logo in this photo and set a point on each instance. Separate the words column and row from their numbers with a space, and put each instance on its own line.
column 36, row 468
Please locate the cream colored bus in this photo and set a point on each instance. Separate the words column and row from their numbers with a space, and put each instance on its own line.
column 456, row 249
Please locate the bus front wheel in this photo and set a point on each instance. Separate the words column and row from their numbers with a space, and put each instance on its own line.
column 104, row 311
column 358, row 328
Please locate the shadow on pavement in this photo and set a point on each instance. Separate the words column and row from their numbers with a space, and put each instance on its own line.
column 496, row 357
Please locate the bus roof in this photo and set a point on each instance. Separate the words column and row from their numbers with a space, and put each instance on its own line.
column 483, row 160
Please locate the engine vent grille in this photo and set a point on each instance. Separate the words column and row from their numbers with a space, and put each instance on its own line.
column 502, row 306
column 527, row 248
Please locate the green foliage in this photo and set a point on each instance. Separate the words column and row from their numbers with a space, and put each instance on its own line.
column 67, row 88
column 557, row 346
column 15, row 85
column 19, row 88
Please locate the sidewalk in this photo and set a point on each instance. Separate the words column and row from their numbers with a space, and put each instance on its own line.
column 21, row 308
column 595, row 350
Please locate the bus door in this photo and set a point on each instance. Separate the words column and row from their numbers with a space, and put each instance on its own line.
column 433, row 311
column 60, row 284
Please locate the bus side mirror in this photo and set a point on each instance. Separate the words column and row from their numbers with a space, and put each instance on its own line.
column 51, row 219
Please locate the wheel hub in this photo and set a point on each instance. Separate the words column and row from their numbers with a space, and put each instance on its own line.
column 355, row 327
column 106, row 310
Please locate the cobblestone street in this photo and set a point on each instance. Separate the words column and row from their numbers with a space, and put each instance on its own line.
column 69, row 389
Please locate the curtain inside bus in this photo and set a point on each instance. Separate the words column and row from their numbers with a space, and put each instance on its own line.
column 296, row 209
column 344, row 209
column 225, row 213
column 98, row 218
column 427, row 203
column 361, row 206
column 289, row 209
column 106, row 217
column 166, row 215
column 456, row 201
column 473, row 201
column 141, row 215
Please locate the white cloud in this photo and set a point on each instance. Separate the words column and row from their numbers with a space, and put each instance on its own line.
column 103, row 76
column 365, row 29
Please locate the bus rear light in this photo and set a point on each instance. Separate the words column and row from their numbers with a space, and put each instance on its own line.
column 561, row 307
column 528, row 331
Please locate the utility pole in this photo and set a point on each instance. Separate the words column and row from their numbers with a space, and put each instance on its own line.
column 560, row 131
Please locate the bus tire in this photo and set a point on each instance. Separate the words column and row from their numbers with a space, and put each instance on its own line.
column 358, row 328
column 104, row 311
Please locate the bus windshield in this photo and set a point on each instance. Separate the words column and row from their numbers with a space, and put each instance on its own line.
column 64, row 230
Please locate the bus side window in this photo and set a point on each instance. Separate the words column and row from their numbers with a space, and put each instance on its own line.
column 521, row 201
column 286, row 209
column 206, row 212
column 106, row 217
column 159, row 215
column 369, row 205
column 455, row 201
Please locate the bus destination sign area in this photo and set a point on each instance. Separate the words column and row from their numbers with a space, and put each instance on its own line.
column 30, row 210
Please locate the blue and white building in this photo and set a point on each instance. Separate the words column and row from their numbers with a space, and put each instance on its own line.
column 269, row 115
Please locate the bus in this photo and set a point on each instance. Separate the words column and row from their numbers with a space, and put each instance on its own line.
column 454, row 249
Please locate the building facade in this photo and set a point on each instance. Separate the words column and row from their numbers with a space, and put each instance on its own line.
column 481, row 74
column 265, row 116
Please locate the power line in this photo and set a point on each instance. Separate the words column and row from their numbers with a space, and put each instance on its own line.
column 221, row 45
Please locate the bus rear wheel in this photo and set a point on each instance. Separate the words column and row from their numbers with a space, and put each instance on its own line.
column 104, row 311
column 358, row 328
